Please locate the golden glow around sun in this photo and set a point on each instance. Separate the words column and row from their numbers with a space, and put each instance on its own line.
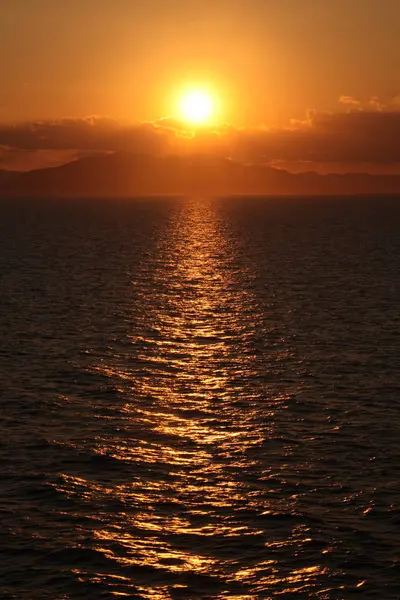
column 196, row 106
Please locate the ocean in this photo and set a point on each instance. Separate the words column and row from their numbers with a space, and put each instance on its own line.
column 200, row 398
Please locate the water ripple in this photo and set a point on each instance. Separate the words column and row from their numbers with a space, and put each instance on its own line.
column 203, row 404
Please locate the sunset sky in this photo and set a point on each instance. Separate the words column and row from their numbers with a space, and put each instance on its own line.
column 270, row 65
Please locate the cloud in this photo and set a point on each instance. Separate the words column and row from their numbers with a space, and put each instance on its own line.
column 90, row 133
column 376, row 103
column 351, row 138
column 349, row 100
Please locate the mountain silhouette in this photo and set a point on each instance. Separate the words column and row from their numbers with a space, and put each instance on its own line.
column 128, row 174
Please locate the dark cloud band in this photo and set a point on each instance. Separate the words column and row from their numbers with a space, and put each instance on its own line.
column 353, row 137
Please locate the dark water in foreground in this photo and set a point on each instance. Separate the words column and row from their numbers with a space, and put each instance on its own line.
column 200, row 399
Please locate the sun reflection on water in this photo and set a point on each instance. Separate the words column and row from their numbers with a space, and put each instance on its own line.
column 195, row 502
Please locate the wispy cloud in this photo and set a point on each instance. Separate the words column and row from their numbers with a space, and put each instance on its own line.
column 349, row 100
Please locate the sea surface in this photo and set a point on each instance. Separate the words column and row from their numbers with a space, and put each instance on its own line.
column 200, row 398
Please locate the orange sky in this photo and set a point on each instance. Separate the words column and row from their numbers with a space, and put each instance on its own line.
column 269, row 60
column 300, row 84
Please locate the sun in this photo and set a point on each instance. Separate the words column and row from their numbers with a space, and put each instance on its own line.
column 196, row 107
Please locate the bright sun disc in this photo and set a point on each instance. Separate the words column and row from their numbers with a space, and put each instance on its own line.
column 196, row 106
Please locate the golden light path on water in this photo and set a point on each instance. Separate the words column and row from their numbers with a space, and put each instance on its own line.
column 201, row 511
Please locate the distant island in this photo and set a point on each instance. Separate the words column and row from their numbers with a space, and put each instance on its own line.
column 130, row 174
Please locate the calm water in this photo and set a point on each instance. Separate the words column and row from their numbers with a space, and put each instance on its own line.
column 200, row 399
